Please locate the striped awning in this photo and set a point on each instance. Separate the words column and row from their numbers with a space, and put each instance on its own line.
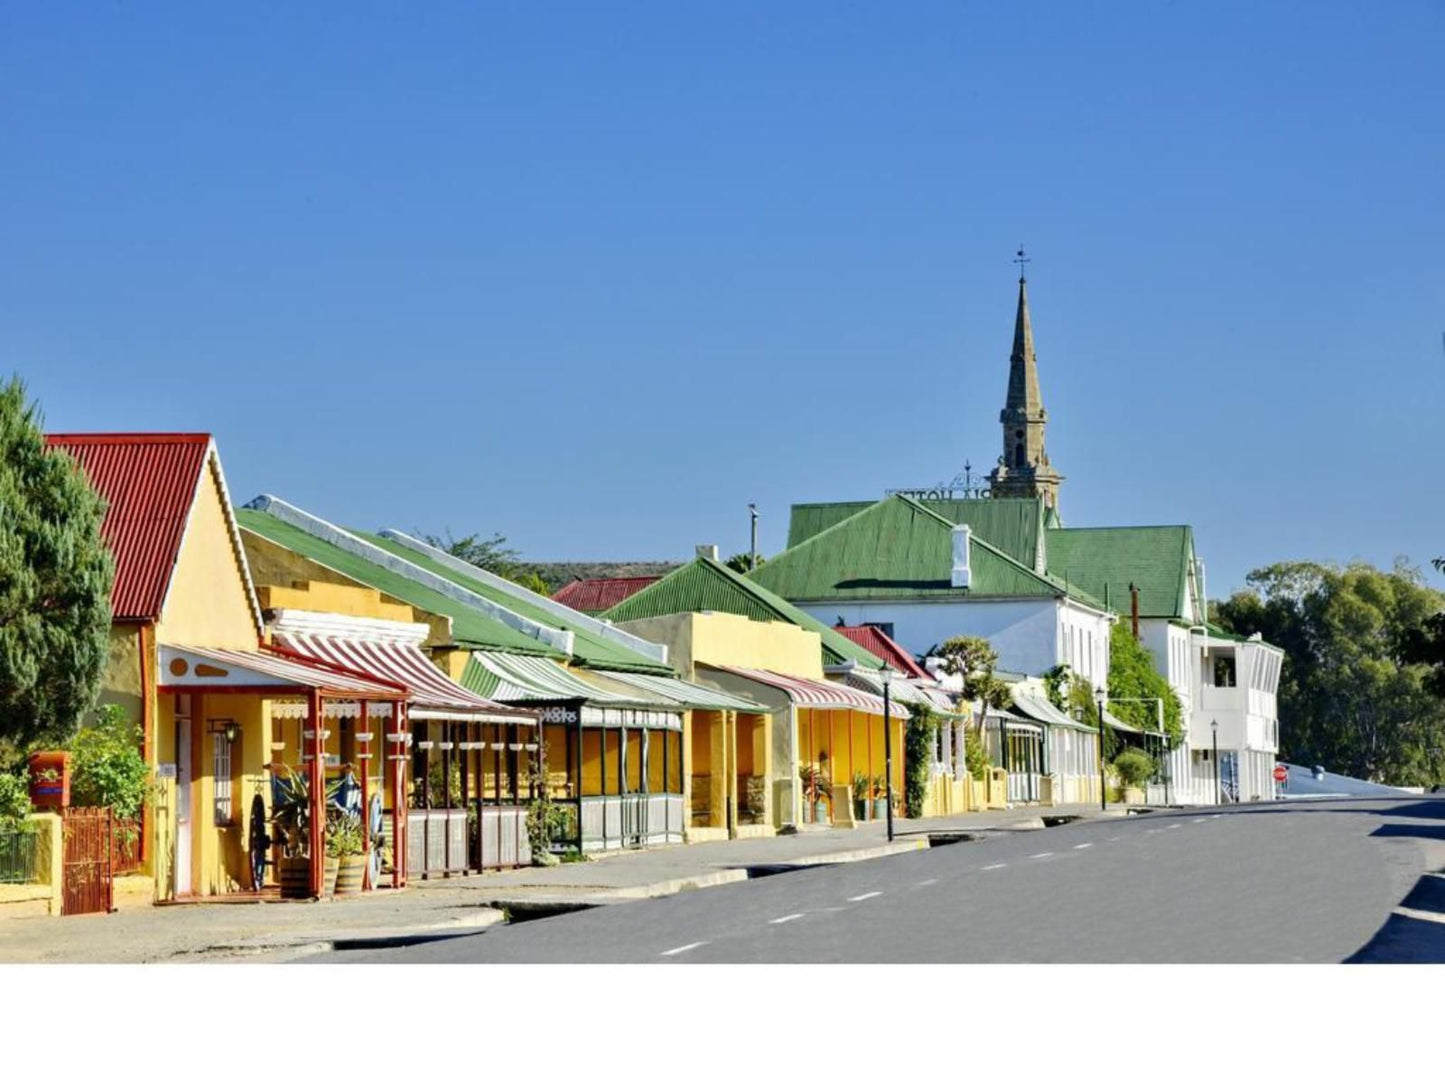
column 526, row 679
column 685, row 694
column 905, row 691
column 431, row 694
column 807, row 693
column 1036, row 705
column 184, row 669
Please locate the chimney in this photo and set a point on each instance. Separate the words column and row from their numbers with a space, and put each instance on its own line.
column 962, row 536
column 710, row 552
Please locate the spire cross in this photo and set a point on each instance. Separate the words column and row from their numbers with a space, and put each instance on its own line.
column 1021, row 259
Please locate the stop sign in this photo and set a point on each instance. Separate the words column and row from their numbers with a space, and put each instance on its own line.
column 1281, row 773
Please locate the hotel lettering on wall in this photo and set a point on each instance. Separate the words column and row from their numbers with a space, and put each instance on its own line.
column 558, row 714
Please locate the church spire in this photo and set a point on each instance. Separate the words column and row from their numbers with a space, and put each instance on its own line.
column 1024, row 469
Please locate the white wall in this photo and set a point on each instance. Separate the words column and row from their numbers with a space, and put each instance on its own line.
column 1028, row 634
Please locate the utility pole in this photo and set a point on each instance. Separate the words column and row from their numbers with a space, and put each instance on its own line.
column 888, row 749
column 1103, row 783
column 753, row 559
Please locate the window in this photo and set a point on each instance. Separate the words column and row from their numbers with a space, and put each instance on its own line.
column 1224, row 671
column 221, row 773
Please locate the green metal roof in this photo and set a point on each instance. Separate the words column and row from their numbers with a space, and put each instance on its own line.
column 470, row 627
column 1014, row 525
column 1108, row 559
column 706, row 584
column 900, row 549
column 588, row 648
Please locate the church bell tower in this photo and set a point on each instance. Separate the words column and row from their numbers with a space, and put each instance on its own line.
column 1024, row 469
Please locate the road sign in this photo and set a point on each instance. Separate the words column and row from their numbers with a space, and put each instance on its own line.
column 1281, row 773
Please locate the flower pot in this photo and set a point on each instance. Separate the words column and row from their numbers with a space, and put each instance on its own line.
column 329, row 873
column 880, row 809
column 860, row 809
column 350, row 874
column 294, row 875
column 49, row 779
column 820, row 812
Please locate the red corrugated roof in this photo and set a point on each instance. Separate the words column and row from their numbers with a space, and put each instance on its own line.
column 603, row 593
column 885, row 647
column 148, row 481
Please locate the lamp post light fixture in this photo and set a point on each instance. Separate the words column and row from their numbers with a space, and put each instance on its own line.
column 887, row 675
column 1214, row 733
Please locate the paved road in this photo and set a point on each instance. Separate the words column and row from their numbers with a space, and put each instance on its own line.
column 1268, row 883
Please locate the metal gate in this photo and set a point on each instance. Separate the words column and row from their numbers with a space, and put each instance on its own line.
column 87, row 876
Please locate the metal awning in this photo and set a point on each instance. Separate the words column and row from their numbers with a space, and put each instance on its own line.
column 186, row 669
column 686, row 694
column 1119, row 724
column 1038, row 706
column 807, row 693
column 905, row 691
column 431, row 694
column 526, row 679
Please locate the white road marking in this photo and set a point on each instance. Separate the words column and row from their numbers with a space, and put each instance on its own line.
column 1043, row 854
column 1082, row 846
column 683, row 948
column 1200, row 820
column 1176, row 826
column 1114, row 839
column 996, row 865
column 930, row 881
column 865, row 896
column 1216, row 816
column 785, row 918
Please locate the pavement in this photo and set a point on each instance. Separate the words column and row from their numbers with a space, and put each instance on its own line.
column 1269, row 883
column 435, row 910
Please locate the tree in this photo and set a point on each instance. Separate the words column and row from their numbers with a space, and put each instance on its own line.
column 107, row 767
column 1134, row 683
column 971, row 658
column 1353, row 693
column 489, row 554
column 55, row 582
column 742, row 563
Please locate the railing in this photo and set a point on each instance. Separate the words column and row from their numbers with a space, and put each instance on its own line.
column 19, row 857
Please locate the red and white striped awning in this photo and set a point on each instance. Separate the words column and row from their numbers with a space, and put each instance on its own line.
column 430, row 693
column 807, row 693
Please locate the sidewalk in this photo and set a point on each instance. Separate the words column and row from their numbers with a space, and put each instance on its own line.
column 463, row 905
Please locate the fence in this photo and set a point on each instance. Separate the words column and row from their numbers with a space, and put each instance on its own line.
column 125, row 845
column 87, row 877
column 20, row 856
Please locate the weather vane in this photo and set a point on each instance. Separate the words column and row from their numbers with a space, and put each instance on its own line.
column 1021, row 259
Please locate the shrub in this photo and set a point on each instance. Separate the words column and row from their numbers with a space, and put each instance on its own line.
column 14, row 799
column 1134, row 766
column 917, row 758
column 975, row 756
column 107, row 767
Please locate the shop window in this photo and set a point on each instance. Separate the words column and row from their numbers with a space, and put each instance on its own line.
column 674, row 761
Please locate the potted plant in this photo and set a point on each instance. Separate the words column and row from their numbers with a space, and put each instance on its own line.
column 815, row 791
column 880, row 798
column 291, row 818
column 862, row 791
column 346, row 851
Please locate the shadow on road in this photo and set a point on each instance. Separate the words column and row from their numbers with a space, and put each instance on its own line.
column 1404, row 940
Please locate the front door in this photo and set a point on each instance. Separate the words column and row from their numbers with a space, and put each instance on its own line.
column 183, row 794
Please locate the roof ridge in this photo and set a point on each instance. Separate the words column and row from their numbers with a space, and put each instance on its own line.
column 130, row 438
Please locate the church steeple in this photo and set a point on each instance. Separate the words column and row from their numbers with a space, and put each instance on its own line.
column 1024, row 469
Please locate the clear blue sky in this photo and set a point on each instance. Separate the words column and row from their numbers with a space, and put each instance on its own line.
column 597, row 275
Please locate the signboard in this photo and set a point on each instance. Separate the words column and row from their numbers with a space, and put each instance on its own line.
column 1281, row 773
column 165, row 771
column 558, row 715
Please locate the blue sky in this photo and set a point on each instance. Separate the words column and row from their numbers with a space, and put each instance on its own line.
column 595, row 276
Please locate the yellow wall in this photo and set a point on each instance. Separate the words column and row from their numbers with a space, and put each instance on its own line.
column 348, row 599
column 207, row 604
column 730, row 640
column 121, row 682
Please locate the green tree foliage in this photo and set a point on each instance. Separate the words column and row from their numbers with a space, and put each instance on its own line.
column 14, row 798
column 55, row 582
column 918, row 741
column 1133, row 682
column 491, row 555
column 742, row 563
column 972, row 658
column 1134, row 766
column 107, row 766
column 1353, row 693
column 975, row 756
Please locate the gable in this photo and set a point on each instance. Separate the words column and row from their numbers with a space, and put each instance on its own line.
column 1104, row 561
column 1012, row 525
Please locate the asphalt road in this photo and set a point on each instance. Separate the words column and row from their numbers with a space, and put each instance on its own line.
column 1300, row 882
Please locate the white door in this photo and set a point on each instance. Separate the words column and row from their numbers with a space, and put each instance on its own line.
column 183, row 794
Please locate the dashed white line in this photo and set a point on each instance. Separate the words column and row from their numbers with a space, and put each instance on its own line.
column 865, row 896
column 930, row 881
column 1114, row 839
column 1176, row 826
column 683, row 948
column 1043, row 854
column 1082, row 846
column 1216, row 816
column 785, row 918
column 996, row 865
column 1200, row 820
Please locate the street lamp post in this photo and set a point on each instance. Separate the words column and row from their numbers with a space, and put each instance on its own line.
column 887, row 675
column 1214, row 733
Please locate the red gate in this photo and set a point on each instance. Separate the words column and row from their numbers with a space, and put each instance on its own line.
column 87, row 873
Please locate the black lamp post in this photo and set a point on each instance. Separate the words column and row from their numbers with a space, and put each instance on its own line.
column 887, row 674
column 1214, row 732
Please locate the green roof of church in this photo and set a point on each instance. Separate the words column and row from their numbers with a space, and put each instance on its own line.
column 706, row 584
column 1099, row 559
column 1014, row 525
column 900, row 548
